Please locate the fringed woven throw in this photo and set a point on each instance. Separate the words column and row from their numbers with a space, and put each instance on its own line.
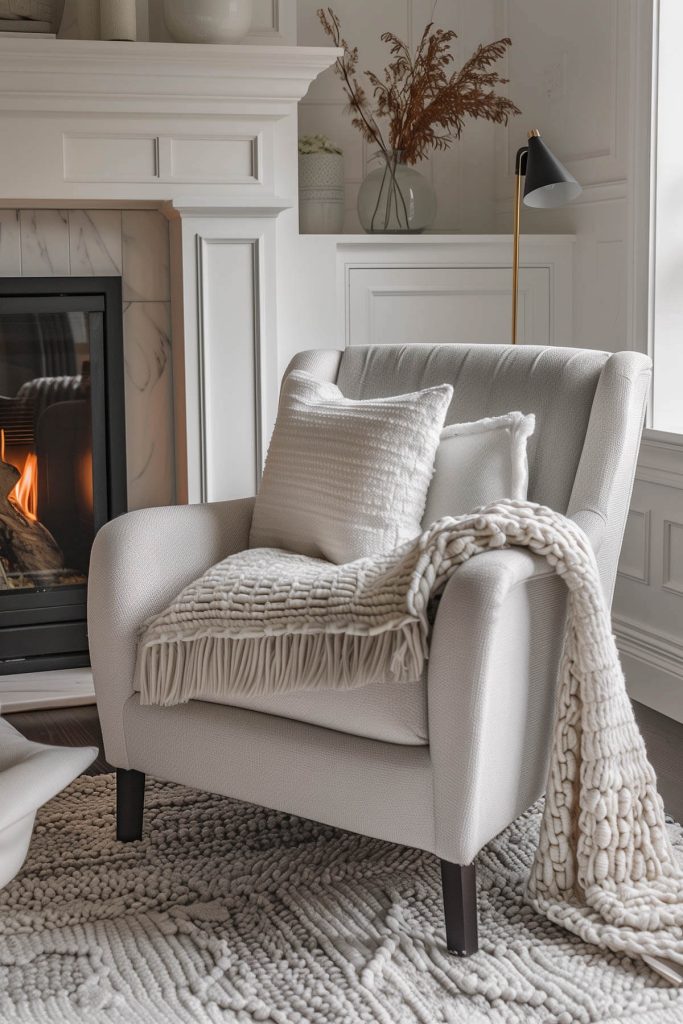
column 266, row 621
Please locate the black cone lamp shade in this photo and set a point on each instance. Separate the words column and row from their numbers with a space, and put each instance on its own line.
column 548, row 182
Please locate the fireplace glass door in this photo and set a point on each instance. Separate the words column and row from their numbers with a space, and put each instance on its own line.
column 62, row 462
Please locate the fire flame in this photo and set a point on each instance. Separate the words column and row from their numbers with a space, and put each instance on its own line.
column 24, row 494
column 25, row 491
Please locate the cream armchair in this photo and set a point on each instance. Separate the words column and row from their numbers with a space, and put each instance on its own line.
column 442, row 764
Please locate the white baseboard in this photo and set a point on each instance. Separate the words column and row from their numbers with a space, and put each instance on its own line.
column 653, row 665
column 30, row 691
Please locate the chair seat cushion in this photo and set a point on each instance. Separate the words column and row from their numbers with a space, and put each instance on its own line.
column 389, row 711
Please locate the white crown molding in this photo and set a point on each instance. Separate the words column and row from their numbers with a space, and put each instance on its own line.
column 80, row 75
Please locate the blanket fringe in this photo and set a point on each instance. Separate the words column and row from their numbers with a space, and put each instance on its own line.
column 174, row 671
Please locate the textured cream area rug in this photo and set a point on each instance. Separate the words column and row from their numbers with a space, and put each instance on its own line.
column 227, row 912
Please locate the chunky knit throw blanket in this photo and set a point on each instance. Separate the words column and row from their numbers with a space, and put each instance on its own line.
column 267, row 621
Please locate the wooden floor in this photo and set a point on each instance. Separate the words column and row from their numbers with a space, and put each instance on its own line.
column 81, row 727
column 64, row 727
column 664, row 739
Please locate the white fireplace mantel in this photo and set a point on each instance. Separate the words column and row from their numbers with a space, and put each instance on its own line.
column 85, row 120
column 75, row 73
column 207, row 133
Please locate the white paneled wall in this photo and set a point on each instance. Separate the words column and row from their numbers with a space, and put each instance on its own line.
column 132, row 244
column 463, row 176
column 579, row 73
column 648, row 604
column 576, row 74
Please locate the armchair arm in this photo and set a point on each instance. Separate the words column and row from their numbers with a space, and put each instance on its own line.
column 139, row 563
column 492, row 672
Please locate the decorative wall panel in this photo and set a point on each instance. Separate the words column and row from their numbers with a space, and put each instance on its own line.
column 229, row 366
column 672, row 575
column 108, row 158
column 648, row 615
column 445, row 305
column 634, row 562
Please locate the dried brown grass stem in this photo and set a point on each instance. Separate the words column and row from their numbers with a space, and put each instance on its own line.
column 424, row 103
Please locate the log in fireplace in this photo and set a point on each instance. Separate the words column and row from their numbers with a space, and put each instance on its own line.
column 62, row 459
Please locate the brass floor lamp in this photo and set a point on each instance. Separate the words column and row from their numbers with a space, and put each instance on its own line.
column 547, row 184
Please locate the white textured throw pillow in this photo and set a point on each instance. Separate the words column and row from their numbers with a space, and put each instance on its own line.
column 346, row 478
column 477, row 463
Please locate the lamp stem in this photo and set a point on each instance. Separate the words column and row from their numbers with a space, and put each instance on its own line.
column 515, row 251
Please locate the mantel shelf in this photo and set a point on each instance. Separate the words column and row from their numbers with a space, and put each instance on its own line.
column 438, row 238
column 93, row 74
column 230, row 206
column 254, row 59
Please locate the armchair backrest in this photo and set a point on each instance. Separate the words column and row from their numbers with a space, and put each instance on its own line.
column 589, row 408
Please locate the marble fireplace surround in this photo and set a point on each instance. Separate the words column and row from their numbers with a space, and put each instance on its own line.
column 108, row 150
column 132, row 244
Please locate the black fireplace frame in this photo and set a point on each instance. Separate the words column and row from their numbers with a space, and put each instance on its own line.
column 47, row 629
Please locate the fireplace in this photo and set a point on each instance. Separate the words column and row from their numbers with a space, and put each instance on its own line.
column 62, row 459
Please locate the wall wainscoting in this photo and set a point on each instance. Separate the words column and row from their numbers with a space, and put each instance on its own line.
column 659, row 651
column 648, row 602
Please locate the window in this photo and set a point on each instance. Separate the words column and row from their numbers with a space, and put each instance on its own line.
column 666, row 272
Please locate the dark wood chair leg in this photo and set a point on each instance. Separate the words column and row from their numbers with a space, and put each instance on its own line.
column 460, row 906
column 130, row 804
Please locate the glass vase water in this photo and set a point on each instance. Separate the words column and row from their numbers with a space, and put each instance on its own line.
column 395, row 198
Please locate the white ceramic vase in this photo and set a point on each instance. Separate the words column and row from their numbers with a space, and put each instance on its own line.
column 208, row 21
column 321, row 193
column 47, row 11
column 88, row 12
column 30, row 774
column 118, row 20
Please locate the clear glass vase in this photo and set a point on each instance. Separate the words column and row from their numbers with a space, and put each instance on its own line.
column 395, row 198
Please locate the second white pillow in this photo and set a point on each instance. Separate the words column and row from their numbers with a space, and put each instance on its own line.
column 477, row 463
